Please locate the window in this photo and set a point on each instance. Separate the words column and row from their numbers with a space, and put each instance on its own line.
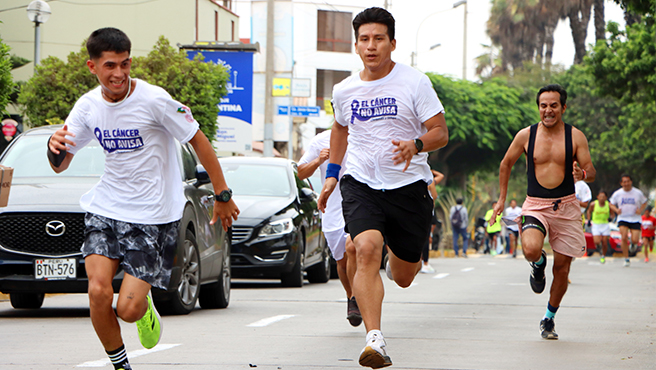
column 326, row 79
column 232, row 38
column 334, row 31
column 216, row 25
column 227, row 4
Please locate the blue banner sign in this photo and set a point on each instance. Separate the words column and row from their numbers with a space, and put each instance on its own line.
column 298, row 111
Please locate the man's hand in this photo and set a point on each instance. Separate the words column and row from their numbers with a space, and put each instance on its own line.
column 328, row 188
column 577, row 172
column 498, row 209
column 225, row 211
column 404, row 150
column 58, row 141
column 324, row 155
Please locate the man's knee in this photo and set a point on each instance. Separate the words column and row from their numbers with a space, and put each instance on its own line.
column 404, row 280
column 532, row 251
column 130, row 310
column 100, row 293
column 368, row 252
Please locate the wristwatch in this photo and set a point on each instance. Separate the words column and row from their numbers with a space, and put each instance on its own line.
column 419, row 145
column 224, row 196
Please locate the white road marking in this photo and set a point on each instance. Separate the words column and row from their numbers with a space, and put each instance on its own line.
column 441, row 275
column 131, row 355
column 269, row 321
column 467, row 269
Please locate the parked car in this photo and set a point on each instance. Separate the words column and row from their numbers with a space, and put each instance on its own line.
column 43, row 230
column 615, row 241
column 278, row 233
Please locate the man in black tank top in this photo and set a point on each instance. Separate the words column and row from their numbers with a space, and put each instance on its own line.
column 557, row 155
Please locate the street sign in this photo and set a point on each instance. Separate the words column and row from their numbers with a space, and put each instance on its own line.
column 298, row 111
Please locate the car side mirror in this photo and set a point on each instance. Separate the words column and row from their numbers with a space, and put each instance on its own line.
column 202, row 177
column 307, row 195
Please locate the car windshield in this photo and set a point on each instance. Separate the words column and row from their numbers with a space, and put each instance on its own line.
column 257, row 179
column 28, row 158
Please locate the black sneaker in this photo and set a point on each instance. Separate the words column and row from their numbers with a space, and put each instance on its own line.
column 353, row 313
column 537, row 278
column 548, row 329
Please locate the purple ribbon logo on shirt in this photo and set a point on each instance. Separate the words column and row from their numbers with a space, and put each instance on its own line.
column 373, row 108
column 125, row 140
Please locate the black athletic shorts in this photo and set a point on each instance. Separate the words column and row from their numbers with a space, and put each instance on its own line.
column 630, row 225
column 402, row 215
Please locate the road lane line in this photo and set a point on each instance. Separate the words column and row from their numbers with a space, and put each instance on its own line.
column 441, row 275
column 467, row 269
column 269, row 321
column 131, row 355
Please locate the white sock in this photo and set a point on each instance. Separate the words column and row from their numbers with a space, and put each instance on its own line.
column 371, row 333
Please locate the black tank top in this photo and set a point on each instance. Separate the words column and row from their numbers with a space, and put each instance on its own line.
column 567, row 186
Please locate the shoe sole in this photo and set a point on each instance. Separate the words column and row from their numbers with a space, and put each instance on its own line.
column 354, row 320
column 159, row 319
column 371, row 358
column 550, row 336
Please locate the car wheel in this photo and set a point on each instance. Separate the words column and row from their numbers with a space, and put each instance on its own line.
column 217, row 294
column 294, row 279
column 320, row 273
column 183, row 299
column 26, row 300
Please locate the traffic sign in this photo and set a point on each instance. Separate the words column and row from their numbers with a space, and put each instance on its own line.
column 298, row 111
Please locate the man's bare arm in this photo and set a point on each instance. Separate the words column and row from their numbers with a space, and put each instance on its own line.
column 338, row 144
column 513, row 153
column 306, row 170
column 590, row 210
column 583, row 157
column 57, row 145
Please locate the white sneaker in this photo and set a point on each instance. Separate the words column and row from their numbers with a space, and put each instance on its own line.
column 627, row 263
column 388, row 269
column 373, row 355
column 427, row 269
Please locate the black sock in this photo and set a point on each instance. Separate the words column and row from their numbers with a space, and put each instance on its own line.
column 119, row 358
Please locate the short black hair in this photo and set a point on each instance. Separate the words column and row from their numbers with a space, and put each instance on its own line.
column 459, row 201
column 374, row 15
column 603, row 191
column 107, row 39
column 555, row 88
column 626, row 175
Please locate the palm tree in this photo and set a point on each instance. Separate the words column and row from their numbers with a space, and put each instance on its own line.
column 579, row 17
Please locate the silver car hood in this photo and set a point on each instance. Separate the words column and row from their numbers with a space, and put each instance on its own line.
column 59, row 194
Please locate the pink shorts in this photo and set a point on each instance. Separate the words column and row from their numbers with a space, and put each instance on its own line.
column 563, row 225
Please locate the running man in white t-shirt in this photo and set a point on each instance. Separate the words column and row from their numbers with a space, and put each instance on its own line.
column 512, row 213
column 628, row 203
column 134, row 212
column 332, row 222
column 389, row 117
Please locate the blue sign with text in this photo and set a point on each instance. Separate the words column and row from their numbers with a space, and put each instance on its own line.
column 298, row 111
column 239, row 64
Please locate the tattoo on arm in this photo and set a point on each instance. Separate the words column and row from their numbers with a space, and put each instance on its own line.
column 131, row 295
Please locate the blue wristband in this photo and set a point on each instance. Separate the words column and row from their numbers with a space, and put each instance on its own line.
column 333, row 170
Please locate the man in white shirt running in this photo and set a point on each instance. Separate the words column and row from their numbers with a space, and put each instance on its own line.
column 512, row 213
column 134, row 212
column 389, row 116
column 628, row 203
column 332, row 222
column 584, row 196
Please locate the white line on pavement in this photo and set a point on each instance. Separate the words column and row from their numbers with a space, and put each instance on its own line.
column 131, row 355
column 467, row 269
column 269, row 321
column 441, row 275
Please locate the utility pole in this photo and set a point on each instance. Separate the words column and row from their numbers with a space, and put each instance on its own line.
column 388, row 4
column 268, row 84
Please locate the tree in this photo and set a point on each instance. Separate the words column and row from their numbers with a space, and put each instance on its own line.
column 6, row 81
column 482, row 119
column 56, row 85
column 579, row 18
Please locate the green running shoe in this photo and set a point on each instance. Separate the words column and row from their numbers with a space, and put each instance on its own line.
column 602, row 259
column 150, row 325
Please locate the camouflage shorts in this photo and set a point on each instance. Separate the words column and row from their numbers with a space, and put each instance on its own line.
column 146, row 251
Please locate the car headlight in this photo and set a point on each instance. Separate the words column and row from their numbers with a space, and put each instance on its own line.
column 278, row 227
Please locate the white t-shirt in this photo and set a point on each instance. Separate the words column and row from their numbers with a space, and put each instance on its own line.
column 513, row 213
column 583, row 193
column 629, row 202
column 376, row 112
column 142, row 182
column 333, row 218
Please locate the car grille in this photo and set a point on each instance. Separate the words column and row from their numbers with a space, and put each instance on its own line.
column 241, row 234
column 26, row 233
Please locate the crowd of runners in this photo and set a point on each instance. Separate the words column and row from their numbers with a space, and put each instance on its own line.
column 378, row 189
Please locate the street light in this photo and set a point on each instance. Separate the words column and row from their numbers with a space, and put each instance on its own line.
column 464, row 39
column 38, row 12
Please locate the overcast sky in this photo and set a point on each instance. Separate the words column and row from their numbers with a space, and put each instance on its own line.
column 421, row 24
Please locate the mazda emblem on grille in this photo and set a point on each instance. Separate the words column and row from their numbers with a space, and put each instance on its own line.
column 55, row 228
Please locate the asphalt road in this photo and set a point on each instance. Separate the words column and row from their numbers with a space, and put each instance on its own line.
column 475, row 313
